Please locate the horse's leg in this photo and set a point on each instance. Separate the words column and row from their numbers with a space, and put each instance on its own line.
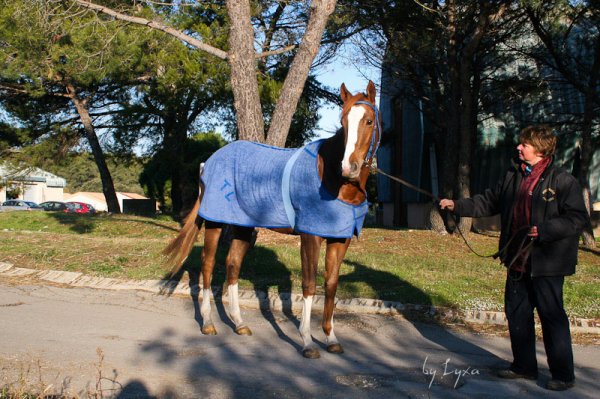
column 212, row 232
column 336, row 250
column 239, row 246
column 310, row 247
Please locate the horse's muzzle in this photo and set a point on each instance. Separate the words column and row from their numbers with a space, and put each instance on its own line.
column 351, row 172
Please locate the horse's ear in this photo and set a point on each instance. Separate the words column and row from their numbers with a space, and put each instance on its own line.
column 344, row 93
column 371, row 91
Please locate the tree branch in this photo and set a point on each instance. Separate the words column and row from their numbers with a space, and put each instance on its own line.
column 275, row 52
column 13, row 88
column 156, row 25
column 320, row 10
column 558, row 63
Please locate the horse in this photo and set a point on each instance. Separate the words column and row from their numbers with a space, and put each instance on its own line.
column 317, row 192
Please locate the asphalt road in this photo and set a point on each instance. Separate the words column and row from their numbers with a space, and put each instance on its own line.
column 151, row 346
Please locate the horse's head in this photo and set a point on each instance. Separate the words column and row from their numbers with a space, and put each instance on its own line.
column 362, row 131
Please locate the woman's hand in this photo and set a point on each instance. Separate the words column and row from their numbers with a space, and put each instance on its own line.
column 447, row 204
column 533, row 232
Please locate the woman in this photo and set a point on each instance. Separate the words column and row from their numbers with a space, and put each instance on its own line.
column 542, row 213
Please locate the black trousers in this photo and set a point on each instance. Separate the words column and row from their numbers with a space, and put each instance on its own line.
column 545, row 294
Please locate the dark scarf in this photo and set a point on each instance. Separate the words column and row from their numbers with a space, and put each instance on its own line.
column 522, row 210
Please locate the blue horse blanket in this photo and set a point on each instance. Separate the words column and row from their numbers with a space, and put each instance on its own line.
column 243, row 187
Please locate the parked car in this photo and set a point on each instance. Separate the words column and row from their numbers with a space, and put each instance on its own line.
column 53, row 206
column 20, row 205
column 79, row 207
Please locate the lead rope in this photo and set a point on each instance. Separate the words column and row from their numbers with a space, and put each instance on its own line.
column 522, row 246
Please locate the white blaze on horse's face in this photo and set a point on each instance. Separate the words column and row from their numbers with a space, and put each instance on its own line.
column 351, row 169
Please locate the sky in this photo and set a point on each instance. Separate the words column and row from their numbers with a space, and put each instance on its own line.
column 342, row 70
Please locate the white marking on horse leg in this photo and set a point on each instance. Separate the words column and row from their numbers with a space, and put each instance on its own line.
column 205, row 308
column 331, row 338
column 355, row 114
column 305, row 323
column 234, row 305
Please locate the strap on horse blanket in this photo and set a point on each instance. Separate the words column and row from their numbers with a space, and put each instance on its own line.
column 243, row 187
column 285, row 188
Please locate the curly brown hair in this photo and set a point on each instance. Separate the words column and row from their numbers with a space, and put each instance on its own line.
column 541, row 137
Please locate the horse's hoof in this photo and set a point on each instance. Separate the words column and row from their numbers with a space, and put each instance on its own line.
column 243, row 330
column 209, row 330
column 311, row 353
column 335, row 348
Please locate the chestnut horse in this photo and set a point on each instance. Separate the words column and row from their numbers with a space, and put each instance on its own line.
column 340, row 166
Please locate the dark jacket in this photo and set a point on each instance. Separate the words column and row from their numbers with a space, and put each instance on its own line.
column 557, row 210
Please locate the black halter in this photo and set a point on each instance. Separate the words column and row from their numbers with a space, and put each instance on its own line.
column 376, row 133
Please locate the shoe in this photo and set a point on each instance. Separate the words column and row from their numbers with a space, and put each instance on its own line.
column 558, row 385
column 511, row 375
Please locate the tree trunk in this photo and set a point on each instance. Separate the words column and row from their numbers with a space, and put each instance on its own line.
column 589, row 241
column 465, row 149
column 453, row 107
column 320, row 10
column 469, row 86
column 175, row 134
column 108, row 187
column 585, row 162
column 435, row 222
column 242, row 62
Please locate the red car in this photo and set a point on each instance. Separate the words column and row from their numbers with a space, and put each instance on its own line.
column 79, row 207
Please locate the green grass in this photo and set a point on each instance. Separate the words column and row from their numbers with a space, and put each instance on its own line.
column 102, row 225
column 418, row 267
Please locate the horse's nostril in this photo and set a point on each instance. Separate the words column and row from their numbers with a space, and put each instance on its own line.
column 351, row 170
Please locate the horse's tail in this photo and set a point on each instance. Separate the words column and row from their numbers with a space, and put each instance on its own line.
column 180, row 247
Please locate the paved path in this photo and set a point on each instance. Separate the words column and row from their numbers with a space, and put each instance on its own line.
column 152, row 347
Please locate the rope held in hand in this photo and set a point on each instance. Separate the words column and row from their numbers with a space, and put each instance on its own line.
column 522, row 247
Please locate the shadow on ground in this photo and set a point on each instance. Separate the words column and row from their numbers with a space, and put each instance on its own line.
column 78, row 223
column 87, row 223
column 243, row 381
column 380, row 281
column 276, row 278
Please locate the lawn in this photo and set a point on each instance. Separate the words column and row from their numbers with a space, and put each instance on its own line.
column 410, row 266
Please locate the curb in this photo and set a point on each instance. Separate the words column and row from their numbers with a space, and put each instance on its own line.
column 278, row 302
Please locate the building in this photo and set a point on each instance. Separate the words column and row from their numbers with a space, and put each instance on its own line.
column 37, row 185
column 98, row 201
column 30, row 184
column 408, row 149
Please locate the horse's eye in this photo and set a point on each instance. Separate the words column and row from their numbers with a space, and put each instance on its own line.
column 369, row 122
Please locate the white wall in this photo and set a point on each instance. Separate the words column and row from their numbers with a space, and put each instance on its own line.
column 53, row 194
column 33, row 192
column 39, row 192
